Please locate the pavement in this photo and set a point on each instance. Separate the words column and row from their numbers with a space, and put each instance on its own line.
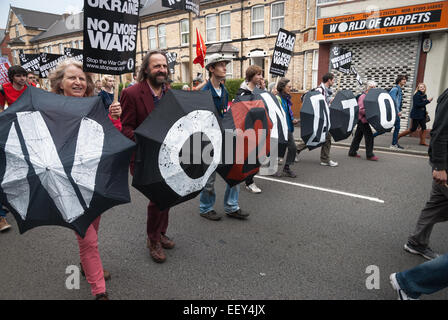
column 313, row 237
column 382, row 142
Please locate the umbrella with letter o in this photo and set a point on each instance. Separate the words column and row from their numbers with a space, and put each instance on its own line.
column 343, row 114
column 247, row 131
column 62, row 162
column 314, row 120
column 178, row 148
column 380, row 110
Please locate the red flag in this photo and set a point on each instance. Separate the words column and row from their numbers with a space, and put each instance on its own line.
column 201, row 49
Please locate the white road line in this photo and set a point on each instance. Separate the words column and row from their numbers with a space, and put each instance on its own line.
column 388, row 152
column 353, row 195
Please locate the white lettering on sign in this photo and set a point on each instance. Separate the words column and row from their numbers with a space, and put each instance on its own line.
column 129, row 6
column 316, row 102
column 284, row 41
column 350, row 104
column 122, row 38
column 383, row 110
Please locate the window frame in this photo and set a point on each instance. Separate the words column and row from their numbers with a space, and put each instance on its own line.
column 305, row 70
column 276, row 18
column 225, row 26
column 159, row 36
column 315, row 69
column 155, row 37
column 182, row 33
column 252, row 35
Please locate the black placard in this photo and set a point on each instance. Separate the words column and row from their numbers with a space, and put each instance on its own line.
column 341, row 60
column 110, row 36
column 30, row 62
column 284, row 47
column 49, row 62
column 187, row 5
column 76, row 54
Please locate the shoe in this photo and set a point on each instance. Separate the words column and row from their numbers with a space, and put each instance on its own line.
column 102, row 296
column 107, row 275
column 374, row 158
column 4, row 225
column 156, row 251
column 329, row 163
column 166, row 242
column 426, row 253
column 211, row 215
column 400, row 147
column 297, row 159
column 237, row 214
column 280, row 160
column 253, row 188
column 354, row 155
column 400, row 292
column 393, row 146
column 287, row 172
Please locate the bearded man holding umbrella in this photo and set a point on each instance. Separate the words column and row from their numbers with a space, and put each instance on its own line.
column 138, row 102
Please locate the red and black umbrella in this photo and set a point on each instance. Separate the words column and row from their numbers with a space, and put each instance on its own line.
column 247, row 132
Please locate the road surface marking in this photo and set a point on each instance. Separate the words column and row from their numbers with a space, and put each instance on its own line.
column 353, row 195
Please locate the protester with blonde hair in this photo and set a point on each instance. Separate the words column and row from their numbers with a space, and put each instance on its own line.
column 418, row 113
column 107, row 92
column 363, row 128
column 69, row 79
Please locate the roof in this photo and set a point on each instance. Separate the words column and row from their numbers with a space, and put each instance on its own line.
column 222, row 47
column 35, row 19
column 71, row 24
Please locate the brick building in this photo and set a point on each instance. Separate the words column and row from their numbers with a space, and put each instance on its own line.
column 245, row 30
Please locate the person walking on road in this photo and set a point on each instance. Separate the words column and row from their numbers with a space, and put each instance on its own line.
column 418, row 113
column 397, row 95
column 138, row 102
column 436, row 209
column 254, row 76
column 325, row 89
column 284, row 90
column 217, row 72
column 363, row 128
column 426, row 278
column 70, row 80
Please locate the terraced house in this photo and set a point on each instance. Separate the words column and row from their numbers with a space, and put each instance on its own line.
column 244, row 30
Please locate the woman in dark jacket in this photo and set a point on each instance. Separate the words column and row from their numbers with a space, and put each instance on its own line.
column 418, row 113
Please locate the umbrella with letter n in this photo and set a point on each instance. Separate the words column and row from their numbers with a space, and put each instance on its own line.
column 380, row 110
column 178, row 148
column 314, row 120
column 343, row 114
column 247, row 131
column 62, row 162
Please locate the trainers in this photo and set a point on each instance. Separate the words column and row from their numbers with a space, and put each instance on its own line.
column 253, row 188
column 399, row 147
column 166, row 242
column 426, row 253
column 393, row 146
column 211, row 215
column 237, row 214
column 374, row 158
column 400, row 292
column 287, row 172
column 4, row 225
column 329, row 163
column 297, row 159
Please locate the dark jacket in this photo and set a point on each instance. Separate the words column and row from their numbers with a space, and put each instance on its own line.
column 438, row 147
column 222, row 101
column 420, row 101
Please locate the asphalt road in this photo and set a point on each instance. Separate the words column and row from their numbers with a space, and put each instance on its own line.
column 298, row 243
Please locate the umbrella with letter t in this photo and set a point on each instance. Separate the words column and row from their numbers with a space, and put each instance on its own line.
column 178, row 148
column 62, row 162
column 343, row 114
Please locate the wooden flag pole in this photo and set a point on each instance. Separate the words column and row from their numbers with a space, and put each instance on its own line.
column 117, row 85
column 190, row 24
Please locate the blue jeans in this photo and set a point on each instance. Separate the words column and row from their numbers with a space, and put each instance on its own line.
column 426, row 278
column 208, row 197
column 2, row 212
column 395, row 134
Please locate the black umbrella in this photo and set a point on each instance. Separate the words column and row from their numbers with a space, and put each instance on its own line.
column 343, row 114
column 246, row 140
column 178, row 148
column 314, row 120
column 62, row 162
column 380, row 110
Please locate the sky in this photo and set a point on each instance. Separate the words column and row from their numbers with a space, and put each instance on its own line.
column 51, row 6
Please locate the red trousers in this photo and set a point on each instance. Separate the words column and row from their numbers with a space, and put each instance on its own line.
column 157, row 222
